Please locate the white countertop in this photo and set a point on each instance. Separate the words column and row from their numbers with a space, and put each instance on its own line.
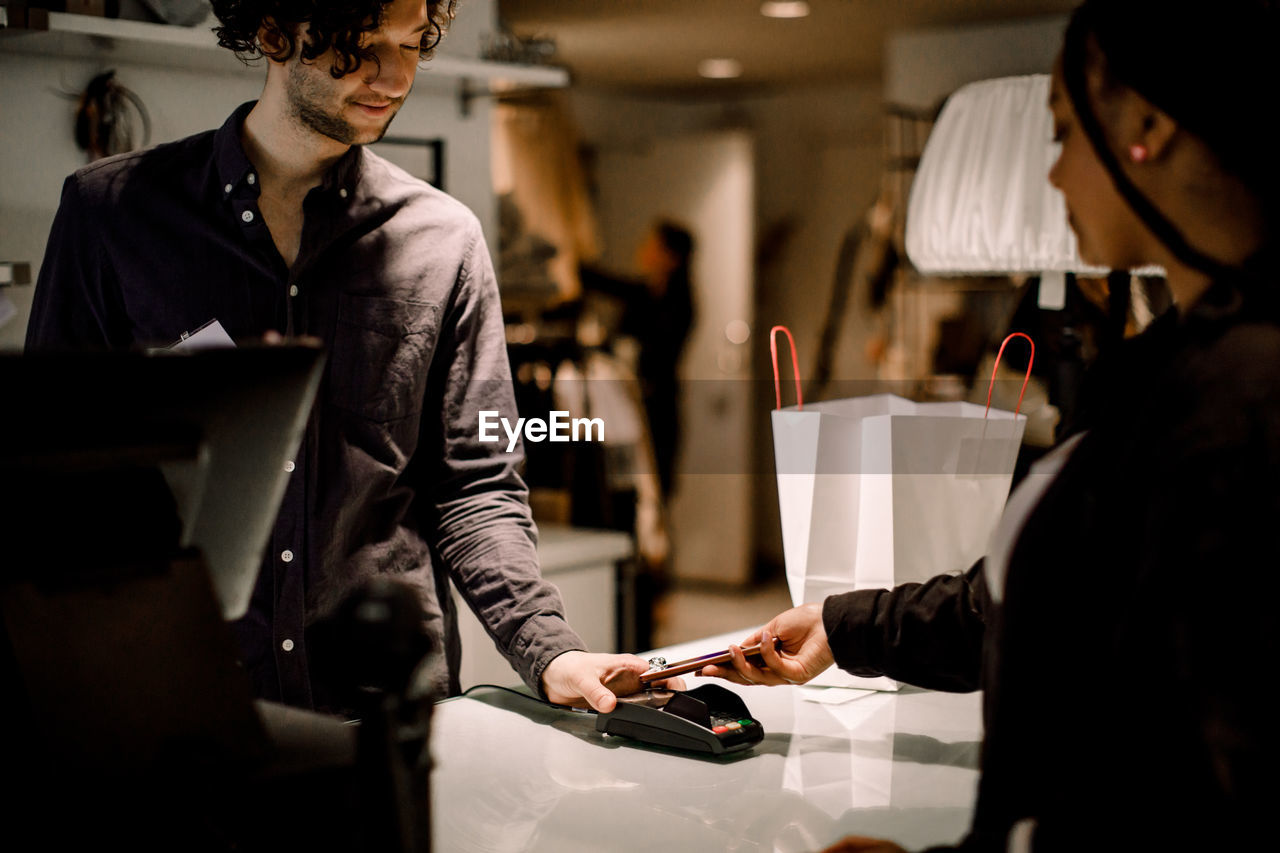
column 514, row 775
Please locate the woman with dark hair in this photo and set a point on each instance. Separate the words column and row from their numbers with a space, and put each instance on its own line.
column 661, row 321
column 1126, row 608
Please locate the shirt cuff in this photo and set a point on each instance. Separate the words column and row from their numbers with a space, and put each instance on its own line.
column 541, row 640
column 848, row 619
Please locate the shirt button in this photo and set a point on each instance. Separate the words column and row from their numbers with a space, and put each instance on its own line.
column 287, row 556
column 228, row 188
column 342, row 193
column 293, row 290
column 288, row 467
column 253, row 179
column 287, row 645
column 247, row 216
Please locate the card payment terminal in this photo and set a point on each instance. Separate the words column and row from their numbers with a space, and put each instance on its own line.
column 709, row 719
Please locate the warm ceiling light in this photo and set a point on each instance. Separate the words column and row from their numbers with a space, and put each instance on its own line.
column 720, row 69
column 784, row 9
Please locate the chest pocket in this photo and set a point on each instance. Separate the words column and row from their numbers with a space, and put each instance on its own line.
column 381, row 350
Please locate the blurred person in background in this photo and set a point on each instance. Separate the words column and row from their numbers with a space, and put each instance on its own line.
column 658, row 312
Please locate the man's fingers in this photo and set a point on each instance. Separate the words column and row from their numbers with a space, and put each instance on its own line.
column 597, row 695
column 636, row 664
column 623, row 681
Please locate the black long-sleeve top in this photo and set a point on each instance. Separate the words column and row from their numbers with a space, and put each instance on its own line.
column 1124, row 664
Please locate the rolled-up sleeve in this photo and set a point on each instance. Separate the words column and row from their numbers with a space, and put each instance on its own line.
column 477, row 501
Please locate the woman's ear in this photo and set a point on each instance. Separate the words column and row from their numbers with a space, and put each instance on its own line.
column 1147, row 130
column 1157, row 132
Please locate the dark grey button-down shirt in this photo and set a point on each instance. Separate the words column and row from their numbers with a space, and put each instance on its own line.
column 395, row 278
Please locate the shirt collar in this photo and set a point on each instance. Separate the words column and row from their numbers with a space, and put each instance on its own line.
column 234, row 167
column 235, row 170
column 340, row 181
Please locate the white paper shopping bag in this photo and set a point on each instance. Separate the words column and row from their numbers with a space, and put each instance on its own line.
column 880, row 490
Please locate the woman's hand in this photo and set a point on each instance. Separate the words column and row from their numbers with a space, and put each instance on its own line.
column 858, row 844
column 803, row 651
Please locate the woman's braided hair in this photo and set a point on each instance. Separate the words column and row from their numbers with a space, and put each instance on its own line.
column 1202, row 63
column 336, row 24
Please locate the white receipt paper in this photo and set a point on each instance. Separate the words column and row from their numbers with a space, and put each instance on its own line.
column 209, row 336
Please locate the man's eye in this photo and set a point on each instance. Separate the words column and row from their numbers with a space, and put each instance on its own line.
column 414, row 47
column 1059, row 133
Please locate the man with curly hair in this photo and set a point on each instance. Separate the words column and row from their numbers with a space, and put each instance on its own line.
column 281, row 223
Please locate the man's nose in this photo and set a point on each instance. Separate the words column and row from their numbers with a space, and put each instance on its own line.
column 390, row 73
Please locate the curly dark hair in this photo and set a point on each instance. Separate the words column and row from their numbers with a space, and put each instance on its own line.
column 337, row 24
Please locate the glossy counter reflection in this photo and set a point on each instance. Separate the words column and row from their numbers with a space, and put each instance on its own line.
column 514, row 775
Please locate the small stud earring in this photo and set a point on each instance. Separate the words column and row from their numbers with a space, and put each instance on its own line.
column 1138, row 153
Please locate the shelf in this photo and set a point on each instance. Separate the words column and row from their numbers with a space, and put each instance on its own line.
column 196, row 48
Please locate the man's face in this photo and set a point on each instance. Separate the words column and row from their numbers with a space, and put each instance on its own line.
column 356, row 109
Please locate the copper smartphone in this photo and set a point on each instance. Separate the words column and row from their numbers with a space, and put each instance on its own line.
column 692, row 664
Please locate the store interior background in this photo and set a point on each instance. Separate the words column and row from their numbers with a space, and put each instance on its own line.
column 772, row 171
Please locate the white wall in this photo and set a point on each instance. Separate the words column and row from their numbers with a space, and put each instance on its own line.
column 819, row 156
column 37, row 121
column 924, row 66
column 819, row 159
column 705, row 181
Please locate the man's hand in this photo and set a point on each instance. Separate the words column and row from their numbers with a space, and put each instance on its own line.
column 583, row 678
column 804, row 652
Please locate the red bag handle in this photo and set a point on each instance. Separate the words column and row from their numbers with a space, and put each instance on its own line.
column 990, row 387
column 795, row 365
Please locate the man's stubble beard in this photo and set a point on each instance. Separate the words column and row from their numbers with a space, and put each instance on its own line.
column 306, row 104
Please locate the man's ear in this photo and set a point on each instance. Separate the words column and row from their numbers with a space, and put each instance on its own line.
column 273, row 42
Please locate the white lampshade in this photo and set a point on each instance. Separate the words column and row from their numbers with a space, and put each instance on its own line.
column 981, row 202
